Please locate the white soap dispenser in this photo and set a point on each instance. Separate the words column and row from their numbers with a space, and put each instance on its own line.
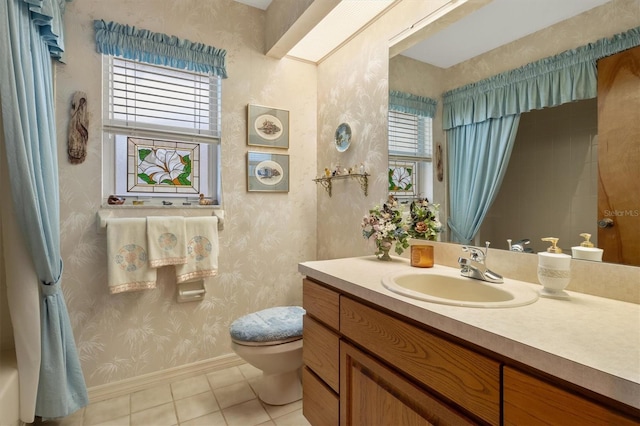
column 554, row 270
column 586, row 250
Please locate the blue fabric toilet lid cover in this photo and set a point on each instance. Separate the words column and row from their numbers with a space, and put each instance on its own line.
column 268, row 325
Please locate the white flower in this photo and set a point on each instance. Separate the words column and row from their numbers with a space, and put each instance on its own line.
column 162, row 164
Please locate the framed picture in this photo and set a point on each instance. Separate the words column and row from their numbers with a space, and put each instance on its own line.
column 267, row 172
column 267, row 127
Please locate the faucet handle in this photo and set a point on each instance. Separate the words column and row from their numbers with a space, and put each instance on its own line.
column 475, row 253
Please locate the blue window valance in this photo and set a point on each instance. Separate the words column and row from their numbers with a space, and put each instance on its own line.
column 48, row 17
column 566, row 77
column 412, row 104
column 159, row 49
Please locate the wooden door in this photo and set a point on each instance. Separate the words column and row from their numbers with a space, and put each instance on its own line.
column 619, row 157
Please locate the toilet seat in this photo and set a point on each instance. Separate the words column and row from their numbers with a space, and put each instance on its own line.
column 271, row 343
column 268, row 327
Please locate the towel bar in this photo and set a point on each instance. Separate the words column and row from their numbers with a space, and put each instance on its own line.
column 103, row 216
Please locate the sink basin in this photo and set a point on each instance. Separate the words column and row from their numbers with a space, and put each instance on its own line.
column 446, row 286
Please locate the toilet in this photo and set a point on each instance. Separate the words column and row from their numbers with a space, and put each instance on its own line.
column 271, row 340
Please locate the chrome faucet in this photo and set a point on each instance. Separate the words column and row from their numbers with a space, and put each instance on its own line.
column 519, row 246
column 474, row 266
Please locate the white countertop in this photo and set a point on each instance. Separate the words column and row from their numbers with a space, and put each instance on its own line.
column 590, row 341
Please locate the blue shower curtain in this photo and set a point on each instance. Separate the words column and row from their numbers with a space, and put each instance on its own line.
column 30, row 34
column 478, row 159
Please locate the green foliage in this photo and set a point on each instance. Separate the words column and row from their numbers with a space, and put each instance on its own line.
column 145, row 177
column 143, row 153
column 183, row 179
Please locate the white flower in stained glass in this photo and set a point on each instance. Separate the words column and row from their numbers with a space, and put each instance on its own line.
column 162, row 165
column 400, row 178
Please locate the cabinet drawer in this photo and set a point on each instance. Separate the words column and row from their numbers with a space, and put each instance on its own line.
column 320, row 405
column 321, row 351
column 469, row 379
column 531, row 401
column 321, row 303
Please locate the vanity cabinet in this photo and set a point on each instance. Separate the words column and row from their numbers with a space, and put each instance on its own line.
column 365, row 365
column 381, row 370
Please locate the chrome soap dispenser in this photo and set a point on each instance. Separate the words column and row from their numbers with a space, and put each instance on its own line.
column 554, row 270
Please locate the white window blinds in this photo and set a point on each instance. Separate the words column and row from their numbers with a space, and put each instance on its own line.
column 143, row 98
column 409, row 136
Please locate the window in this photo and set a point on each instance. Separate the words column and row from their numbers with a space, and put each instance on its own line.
column 410, row 156
column 161, row 131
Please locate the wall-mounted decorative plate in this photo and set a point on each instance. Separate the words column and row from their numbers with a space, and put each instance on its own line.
column 343, row 137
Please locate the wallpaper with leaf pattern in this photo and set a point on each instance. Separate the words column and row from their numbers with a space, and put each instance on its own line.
column 265, row 236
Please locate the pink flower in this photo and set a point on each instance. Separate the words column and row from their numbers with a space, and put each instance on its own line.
column 421, row 227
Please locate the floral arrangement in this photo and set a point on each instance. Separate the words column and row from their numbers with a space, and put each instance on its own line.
column 386, row 225
column 423, row 220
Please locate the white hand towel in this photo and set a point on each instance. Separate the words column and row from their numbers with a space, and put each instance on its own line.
column 128, row 261
column 202, row 249
column 166, row 240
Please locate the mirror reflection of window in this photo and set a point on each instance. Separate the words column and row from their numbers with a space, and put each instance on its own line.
column 410, row 156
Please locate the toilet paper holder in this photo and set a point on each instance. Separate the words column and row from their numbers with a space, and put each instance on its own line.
column 191, row 291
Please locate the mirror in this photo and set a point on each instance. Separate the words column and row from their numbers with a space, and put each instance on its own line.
column 551, row 184
column 567, row 190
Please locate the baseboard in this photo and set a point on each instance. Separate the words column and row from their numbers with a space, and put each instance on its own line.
column 134, row 384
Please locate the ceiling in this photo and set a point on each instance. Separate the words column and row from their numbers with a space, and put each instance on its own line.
column 496, row 24
column 345, row 20
column 260, row 4
column 342, row 22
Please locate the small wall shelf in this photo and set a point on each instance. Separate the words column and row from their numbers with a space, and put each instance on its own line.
column 362, row 178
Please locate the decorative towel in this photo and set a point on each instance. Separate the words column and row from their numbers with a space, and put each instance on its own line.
column 202, row 249
column 166, row 240
column 128, row 261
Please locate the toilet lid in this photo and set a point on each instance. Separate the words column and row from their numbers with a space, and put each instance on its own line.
column 269, row 325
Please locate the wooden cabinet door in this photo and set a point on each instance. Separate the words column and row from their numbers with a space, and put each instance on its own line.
column 467, row 378
column 372, row 394
column 619, row 156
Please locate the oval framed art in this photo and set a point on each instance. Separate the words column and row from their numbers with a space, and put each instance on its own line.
column 267, row 126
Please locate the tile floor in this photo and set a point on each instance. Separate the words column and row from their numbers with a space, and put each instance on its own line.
column 220, row 398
